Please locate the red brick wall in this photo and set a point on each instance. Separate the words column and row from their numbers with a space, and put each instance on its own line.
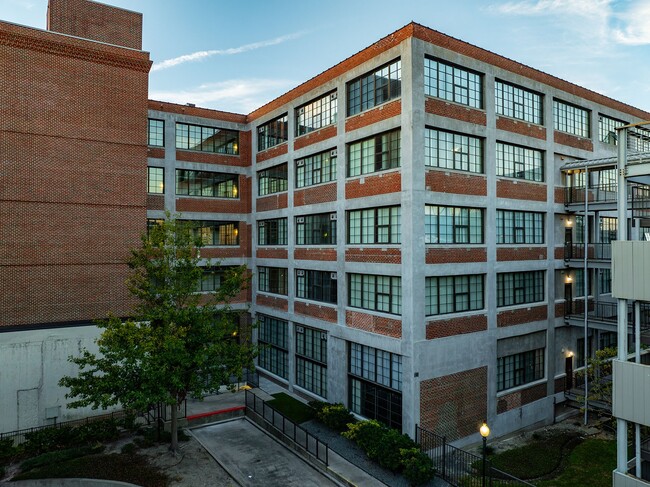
column 444, row 255
column 377, row 114
column 310, row 253
column 573, row 141
column 273, row 202
column 155, row 202
column 74, row 167
column 440, row 181
column 375, row 324
column 454, row 405
column 452, row 110
column 272, row 302
column 559, row 195
column 455, row 326
column 521, row 253
column 276, row 151
column 210, row 158
column 521, row 398
column 520, row 190
column 313, row 137
column 165, row 106
column 326, row 313
column 92, row 20
column 560, row 384
column 559, row 310
column 156, row 153
column 212, row 205
column 272, row 253
column 558, row 253
column 317, row 194
column 384, row 255
column 382, row 183
column 522, row 128
column 521, row 315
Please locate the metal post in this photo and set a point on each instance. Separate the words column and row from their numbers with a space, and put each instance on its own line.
column 484, row 456
column 586, row 290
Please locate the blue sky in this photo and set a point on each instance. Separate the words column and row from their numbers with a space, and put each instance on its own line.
column 236, row 56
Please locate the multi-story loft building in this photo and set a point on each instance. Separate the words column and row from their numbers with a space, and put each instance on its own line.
column 403, row 214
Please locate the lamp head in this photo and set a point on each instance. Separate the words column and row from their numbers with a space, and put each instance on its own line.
column 484, row 430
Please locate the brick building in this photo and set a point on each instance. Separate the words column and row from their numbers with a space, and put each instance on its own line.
column 403, row 214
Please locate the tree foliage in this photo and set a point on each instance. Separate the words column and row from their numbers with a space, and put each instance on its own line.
column 178, row 343
column 599, row 377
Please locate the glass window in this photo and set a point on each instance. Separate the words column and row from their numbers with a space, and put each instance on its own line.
column 316, row 169
column 375, row 88
column 311, row 360
column 605, row 281
column 206, row 184
column 376, row 293
column 375, row 226
column 520, row 227
column 453, row 294
column 273, row 280
column 156, row 133
column 207, row 139
column 452, row 83
column 316, row 229
column 376, row 153
column 515, row 102
column 570, row 119
column 272, row 232
column 514, row 161
column 274, row 339
column 607, row 129
column 316, row 114
column 156, row 180
column 212, row 278
column 316, row 285
column 453, row 225
column 272, row 133
column 272, row 180
column 450, row 150
column 520, row 368
column 214, row 233
column 520, row 288
column 608, row 229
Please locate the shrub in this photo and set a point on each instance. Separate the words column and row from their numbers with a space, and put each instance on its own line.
column 130, row 422
column 335, row 416
column 317, row 405
column 54, row 457
column 129, row 449
column 388, row 449
column 7, row 450
column 368, row 435
column 418, row 467
column 49, row 439
column 97, row 431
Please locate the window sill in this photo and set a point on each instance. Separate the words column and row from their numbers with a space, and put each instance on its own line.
column 522, row 387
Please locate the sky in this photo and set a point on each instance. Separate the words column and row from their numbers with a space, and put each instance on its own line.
column 238, row 55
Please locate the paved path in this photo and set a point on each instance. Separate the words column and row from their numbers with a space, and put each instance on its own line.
column 253, row 458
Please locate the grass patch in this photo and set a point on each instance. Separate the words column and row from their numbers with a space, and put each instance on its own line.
column 296, row 411
column 590, row 463
column 59, row 456
column 124, row 468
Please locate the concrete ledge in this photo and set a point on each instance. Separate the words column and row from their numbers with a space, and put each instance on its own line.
column 212, row 416
column 71, row 483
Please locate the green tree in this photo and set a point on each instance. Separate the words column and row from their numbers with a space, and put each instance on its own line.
column 599, row 376
column 178, row 343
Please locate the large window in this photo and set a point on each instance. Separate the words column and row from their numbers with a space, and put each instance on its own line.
column 272, row 280
column 206, row 184
column 519, row 103
column 608, row 229
column 272, row 180
column 453, row 225
column 520, row 227
column 316, row 285
column 316, row 229
column 375, row 226
column 216, row 233
column 452, row 83
column 449, row 150
column 520, row 368
column 156, row 133
column 272, row 133
column 605, row 281
column 156, row 180
column 274, row 341
column 453, row 294
column 377, row 153
column 272, row 232
column 316, row 169
column 376, row 293
column 375, row 88
column 207, row 139
column 311, row 360
column 212, row 278
column 316, row 114
column 375, row 384
column 607, row 129
column 514, row 161
column 570, row 119
column 520, row 288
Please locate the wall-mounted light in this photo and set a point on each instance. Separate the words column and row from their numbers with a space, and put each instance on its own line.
column 568, row 279
column 569, row 222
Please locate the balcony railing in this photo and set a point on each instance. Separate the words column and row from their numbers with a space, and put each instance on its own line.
column 606, row 312
column 574, row 195
column 598, row 251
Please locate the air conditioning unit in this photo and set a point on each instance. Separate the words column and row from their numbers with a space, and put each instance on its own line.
column 323, row 336
column 333, row 153
column 300, row 163
column 333, row 276
column 333, row 96
column 260, row 224
column 300, row 329
column 301, row 110
column 300, row 219
column 300, row 272
column 332, row 216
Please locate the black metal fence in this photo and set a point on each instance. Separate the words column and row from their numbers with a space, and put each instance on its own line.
column 461, row 468
column 301, row 437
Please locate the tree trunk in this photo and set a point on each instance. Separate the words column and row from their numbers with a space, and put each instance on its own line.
column 174, row 444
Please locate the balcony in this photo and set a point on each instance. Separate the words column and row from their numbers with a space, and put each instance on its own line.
column 595, row 251
column 574, row 195
column 606, row 313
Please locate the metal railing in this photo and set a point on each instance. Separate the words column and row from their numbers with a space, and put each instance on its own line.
column 459, row 467
column 606, row 311
column 301, row 437
column 598, row 251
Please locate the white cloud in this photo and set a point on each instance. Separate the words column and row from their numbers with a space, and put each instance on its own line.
column 635, row 28
column 239, row 95
column 199, row 55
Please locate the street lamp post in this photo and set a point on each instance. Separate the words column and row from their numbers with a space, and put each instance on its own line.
column 485, row 432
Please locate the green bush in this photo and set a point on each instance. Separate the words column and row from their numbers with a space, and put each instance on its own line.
column 129, row 449
column 130, row 422
column 388, row 449
column 54, row 457
column 97, row 431
column 7, row 450
column 49, row 439
column 335, row 416
column 418, row 467
column 368, row 435
column 317, row 405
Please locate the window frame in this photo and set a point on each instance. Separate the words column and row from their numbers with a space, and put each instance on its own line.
column 200, row 134
column 373, row 292
column 273, row 280
column 471, row 158
column 372, row 156
column 369, row 219
column 453, row 72
column 311, row 353
column 531, row 114
column 156, row 180
column 527, row 367
column 444, row 236
column 362, row 92
column 273, row 227
column 273, row 337
column 522, row 225
column 269, row 180
column 316, row 169
column 273, row 132
column 212, row 180
column 527, row 287
column 461, row 287
column 326, row 224
column 528, row 164
column 159, row 133
column 324, row 109
column 315, row 285
column 565, row 119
